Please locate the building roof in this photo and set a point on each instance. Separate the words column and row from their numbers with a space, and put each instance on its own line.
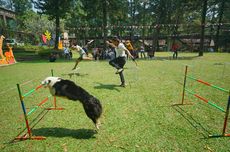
column 7, row 12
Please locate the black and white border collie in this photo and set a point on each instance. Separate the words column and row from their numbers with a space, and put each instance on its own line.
column 68, row 89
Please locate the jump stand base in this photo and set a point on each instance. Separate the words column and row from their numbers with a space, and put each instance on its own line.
column 217, row 136
column 180, row 104
column 55, row 108
column 30, row 138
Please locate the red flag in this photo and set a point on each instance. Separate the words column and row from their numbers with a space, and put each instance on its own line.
column 44, row 38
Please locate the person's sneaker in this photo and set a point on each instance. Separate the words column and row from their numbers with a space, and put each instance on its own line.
column 119, row 71
column 123, row 85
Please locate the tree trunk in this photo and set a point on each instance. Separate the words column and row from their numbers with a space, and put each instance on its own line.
column 218, row 27
column 143, row 24
column 202, row 28
column 132, row 11
column 57, row 21
column 104, row 24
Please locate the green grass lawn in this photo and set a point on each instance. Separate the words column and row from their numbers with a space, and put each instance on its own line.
column 139, row 117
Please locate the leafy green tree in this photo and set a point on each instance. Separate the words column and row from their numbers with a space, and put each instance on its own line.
column 56, row 10
column 2, row 3
column 20, row 7
column 100, row 14
column 109, row 16
column 8, row 4
column 37, row 24
column 204, row 11
column 220, row 15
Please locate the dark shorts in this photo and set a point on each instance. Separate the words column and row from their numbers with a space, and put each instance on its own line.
column 120, row 61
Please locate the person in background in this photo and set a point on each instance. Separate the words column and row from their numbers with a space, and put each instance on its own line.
column 86, row 47
column 70, row 54
column 142, row 51
column 66, row 53
column 82, row 53
column 95, row 53
column 52, row 57
column 175, row 48
column 129, row 46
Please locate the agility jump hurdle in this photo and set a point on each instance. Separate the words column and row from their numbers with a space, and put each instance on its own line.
column 224, row 134
column 28, row 134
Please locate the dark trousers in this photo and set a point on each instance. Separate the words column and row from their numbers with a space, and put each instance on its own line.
column 142, row 54
column 119, row 63
column 175, row 54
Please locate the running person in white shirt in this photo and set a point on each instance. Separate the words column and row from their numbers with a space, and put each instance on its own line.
column 120, row 59
column 82, row 53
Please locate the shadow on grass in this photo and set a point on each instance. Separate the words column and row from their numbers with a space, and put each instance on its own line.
column 194, row 123
column 65, row 132
column 71, row 75
column 162, row 58
column 57, row 132
column 107, row 86
column 42, row 60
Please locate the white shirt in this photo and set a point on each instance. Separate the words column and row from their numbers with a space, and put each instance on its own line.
column 120, row 50
column 79, row 49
